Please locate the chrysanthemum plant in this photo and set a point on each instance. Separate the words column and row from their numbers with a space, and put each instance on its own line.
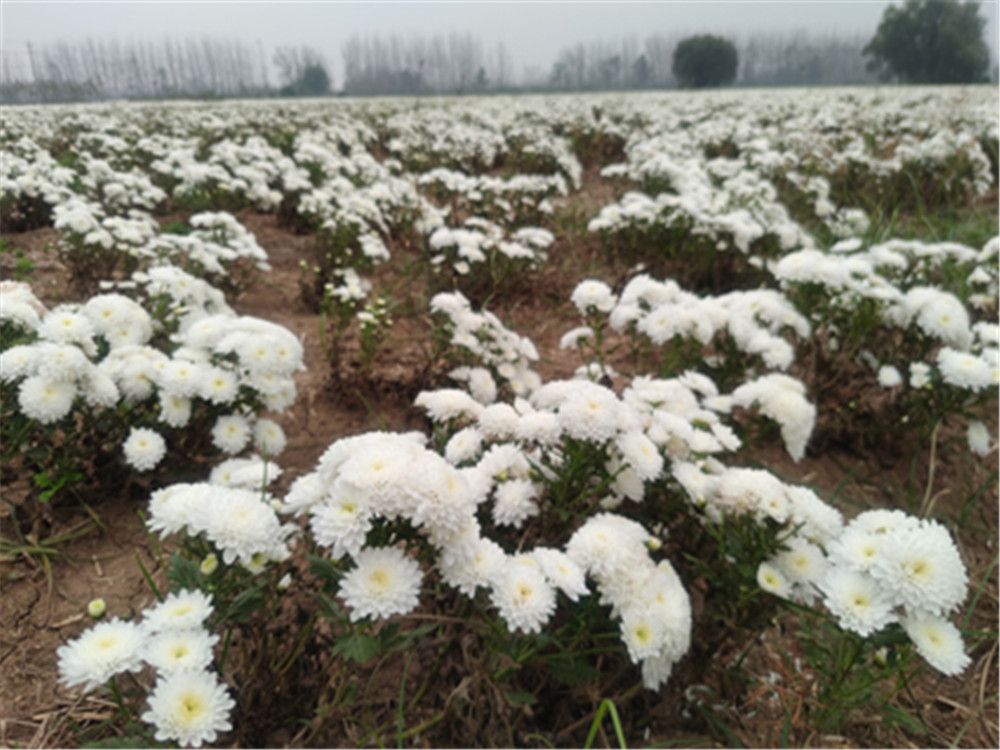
column 93, row 392
column 903, row 339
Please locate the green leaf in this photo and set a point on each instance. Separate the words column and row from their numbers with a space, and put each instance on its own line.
column 329, row 608
column 183, row 573
column 909, row 723
column 358, row 648
column 324, row 568
column 244, row 604
column 520, row 698
column 571, row 671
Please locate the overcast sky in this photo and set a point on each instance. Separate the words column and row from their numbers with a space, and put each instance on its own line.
column 533, row 31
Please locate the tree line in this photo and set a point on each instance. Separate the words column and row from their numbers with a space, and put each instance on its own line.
column 765, row 59
column 922, row 41
column 97, row 70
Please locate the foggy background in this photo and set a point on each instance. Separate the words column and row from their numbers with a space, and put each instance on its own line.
column 239, row 48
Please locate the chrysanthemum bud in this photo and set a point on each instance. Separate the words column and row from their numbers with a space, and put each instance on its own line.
column 209, row 564
column 96, row 608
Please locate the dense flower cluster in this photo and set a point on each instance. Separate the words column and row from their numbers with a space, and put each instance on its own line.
column 188, row 703
column 520, row 490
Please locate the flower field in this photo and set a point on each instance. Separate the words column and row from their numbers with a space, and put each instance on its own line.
column 649, row 419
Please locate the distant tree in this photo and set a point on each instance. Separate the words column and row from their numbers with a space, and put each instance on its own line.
column 314, row 81
column 930, row 41
column 641, row 72
column 303, row 71
column 703, row 61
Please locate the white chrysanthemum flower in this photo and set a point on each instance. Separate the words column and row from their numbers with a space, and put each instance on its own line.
column 482, row 386
column 944, row 317
column 183, row 610
column 100, row 653
column 922, row 569
column 643, row 633
column 772, row 580
column 656, row 670
column 591, row 415
column 46, row 400
column 252, row 473
column 883, row 521
column 964, row 370
column 218, row 386
column 182, row 377
column 385, row 582
column 144, row 449
column 591, row 294
column 856, row 601
column 782, row 398
column 445, row 499
column 175, row 411
column 190, row 707
column 641, row 454
column 242, row 525
column 755, row 491
column 464, row 445
column 609, row 547
column 523, row 597
column 173, row 649
column 67, row 327
column 572, row 338
column 515, row 503
column 342, row 521
column 857, row 548
column 538, row 427
column 802, row 563
column 448, row 403
column 231, row 433
column 268, row 437
column 939, row 642
column 979, row 438
column 920, row 375
column 498, row 421
column 472, row 564
column 17, row 362
column 819, row 521
column 62, row 362
column 170, row 508
column 304, row 493
column 561, row 571
column 889, row 377
column 698, row 485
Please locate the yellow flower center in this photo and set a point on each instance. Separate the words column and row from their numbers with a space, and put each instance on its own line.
column 917, row 569
column 190, row 708
column 379, row 579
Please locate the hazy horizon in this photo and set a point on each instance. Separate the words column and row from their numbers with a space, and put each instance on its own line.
column 533, row 32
